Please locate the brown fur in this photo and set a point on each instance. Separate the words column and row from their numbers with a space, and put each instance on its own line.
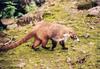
column 42, row 33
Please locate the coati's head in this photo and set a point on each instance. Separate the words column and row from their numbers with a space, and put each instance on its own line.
column 74, row 36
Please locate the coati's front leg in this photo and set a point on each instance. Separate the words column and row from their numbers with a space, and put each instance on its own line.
column 62, row 43
column 54, row 44
column 44, row 43
column 36, row 43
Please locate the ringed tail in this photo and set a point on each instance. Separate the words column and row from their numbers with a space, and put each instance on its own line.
column 17, row 43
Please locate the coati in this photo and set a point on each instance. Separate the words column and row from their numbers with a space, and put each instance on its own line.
column 42, row 33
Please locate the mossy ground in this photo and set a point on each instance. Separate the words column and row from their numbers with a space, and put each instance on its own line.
column 23, row 57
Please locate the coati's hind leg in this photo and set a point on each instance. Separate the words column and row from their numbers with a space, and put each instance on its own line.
column 54, row 44
column 36, row 43
column 44, row 43
column 62, row 43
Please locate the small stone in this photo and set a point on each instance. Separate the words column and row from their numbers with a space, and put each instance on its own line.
column 91, row 44
column 86, row 35
column 91, row 27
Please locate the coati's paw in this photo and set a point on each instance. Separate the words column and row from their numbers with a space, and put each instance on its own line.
column 36, row 49
column 65, row 48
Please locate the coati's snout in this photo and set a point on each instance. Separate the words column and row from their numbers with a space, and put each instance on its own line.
column 74, row 37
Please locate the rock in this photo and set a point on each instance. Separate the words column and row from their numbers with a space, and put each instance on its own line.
column 98, row 2
column 91, row 27
column 86, row 4
column 86, row 35
column 8, row 21
column 12, row 26
column 95, row 11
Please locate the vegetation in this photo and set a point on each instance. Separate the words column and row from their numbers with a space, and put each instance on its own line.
column 15, row 8
column 82, row 55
